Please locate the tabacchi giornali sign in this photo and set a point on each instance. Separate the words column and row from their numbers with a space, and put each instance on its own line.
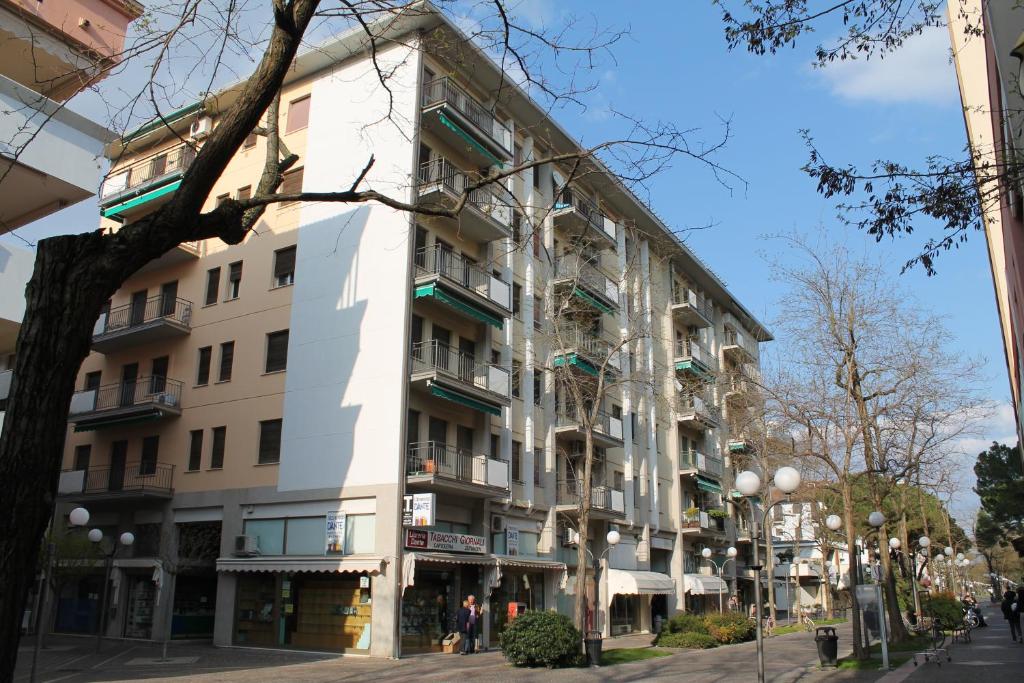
column 420, row 539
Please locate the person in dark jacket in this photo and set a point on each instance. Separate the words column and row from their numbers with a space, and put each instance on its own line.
column 1011, row 615
column 466, row 622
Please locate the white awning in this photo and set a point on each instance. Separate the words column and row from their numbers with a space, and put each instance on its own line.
column 625, row 582
column 371, row 565
column 703, row 584
column 409, row 561
column 527, row 563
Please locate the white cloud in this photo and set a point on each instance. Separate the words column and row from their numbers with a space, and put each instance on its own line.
column 536, row 13
column 919, row 71
column 996, row 425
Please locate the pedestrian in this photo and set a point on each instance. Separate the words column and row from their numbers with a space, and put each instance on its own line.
column 465, row 622
column 1011, row 612
column 734, row 604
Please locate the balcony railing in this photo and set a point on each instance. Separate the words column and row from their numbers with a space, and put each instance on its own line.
column 702, row 407
column 484, row 199
column 444, row 91
column 684, row 296
column 132, row 478
column 444, row 460
column 582, row 341
column 691, row 459
column 694, row 350
column 443, row 261
column 568, row 198
column 135, row 315
column 143, row 391
column 587, row 274
column 568, row 416
column 433, row 355
column 165, row 163
column 570, row 492
column 702, row 520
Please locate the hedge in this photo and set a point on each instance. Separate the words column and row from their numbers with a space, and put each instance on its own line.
column 542, row 639
column 690, row 639
column 726, row 628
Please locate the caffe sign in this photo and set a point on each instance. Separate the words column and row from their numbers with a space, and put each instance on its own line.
column 422, row 539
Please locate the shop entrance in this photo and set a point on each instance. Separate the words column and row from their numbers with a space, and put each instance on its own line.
column 141, row 600
column 429, row 606
column 78, row 605
column 517, row 592
column 625, row 614
column 195, row 603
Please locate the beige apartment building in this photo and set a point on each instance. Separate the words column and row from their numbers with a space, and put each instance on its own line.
column 325, row 437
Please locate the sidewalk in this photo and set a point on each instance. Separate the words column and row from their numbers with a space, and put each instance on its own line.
column 991, row 656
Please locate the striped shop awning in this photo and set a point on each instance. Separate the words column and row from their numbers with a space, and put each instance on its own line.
column 456, row 397
column 432, row 290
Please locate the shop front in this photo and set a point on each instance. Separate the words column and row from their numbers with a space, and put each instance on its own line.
column 523, row 584
column 632, row 596
column 703, row 592
column 195, row 601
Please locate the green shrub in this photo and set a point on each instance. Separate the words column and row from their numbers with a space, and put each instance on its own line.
column 542, row 639
column 684, row 622
column 946, row 608
column 729, row 627
column 689, row 639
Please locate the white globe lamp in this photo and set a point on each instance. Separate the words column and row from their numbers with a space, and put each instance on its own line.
column 876, row 519
column 833, row 522
column 95, row 535
column 730, row 552
column 706, row 553
column 78, row 517
column 748, row 483
column 948, row 551
column 787, row 479
column 613, row 537
column 127, row 538
column 894, row 543
column 924, row 541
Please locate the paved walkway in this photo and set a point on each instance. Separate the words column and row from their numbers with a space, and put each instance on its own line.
column 789, row 659
column 990, row 656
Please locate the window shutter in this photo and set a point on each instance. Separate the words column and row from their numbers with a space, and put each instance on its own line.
column 195, row 450
column 277, row 351
column 203, row 374
column 298, row 114
column 212, row 285
column 284, row 263
column 270, row 442
column 291, row 183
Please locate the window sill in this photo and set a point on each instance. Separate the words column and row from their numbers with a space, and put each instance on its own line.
column 200, row 386
column 290, row 284
column 210, row 305
column 214, row 469
column 266, row 464
column 222, row 381
column 275, row 372
column 227, row 301
column 192, row 471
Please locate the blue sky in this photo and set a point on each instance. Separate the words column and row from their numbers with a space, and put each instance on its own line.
column 675, row 66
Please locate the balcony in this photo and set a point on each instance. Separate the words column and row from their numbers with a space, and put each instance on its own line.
column 452, row 280
column 605, row 502
column 485, row 217
column 132, row 481
column 691, row 309
column 607, row 430
column 156, row 319
column 739, row 347
column 587, row 283
column 580, row 217
column 578, row 348
column 692, row 358
column 697, row 411
column 447, row 373
column 453, row 115
column 430, row 465
column 692, row 462
column 740, row 445
column 139, row 400
column 701, row 522
column 739, row 391
column 133, row 191
column 183, row 253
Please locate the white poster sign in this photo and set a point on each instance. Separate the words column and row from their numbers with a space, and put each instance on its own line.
column 335, row 533
column 511, row 541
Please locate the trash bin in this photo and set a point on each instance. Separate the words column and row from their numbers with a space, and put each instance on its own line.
column 828, row 645
column 592, row 644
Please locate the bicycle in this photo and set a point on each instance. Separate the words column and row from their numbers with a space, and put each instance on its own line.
column 768, row 626
column 807, row 622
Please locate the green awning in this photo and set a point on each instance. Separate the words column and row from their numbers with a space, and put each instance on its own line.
column 456, row 397
column 574, row 359
column 457, row 129
column 737, row 446
column 709, row 485
column 692, row 366
column 99, row 423
column 737, row 495
column 113, row 211
column 591, row 300
column 432, row 290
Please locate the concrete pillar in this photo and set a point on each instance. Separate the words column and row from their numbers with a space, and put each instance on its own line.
column 625, row 332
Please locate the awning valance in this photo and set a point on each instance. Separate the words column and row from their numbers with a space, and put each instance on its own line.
column 527, row 563
column 433, row 290
column 703, row 584
column 456, row 397
column 708, row 484
column 370, row 565
column 410, row 560
column 625, row 582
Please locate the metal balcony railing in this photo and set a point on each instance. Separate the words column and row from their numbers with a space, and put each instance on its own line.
column 702, row 520
column 568, row 198
column 484, row 199
column 584, row 342
column 586, row 273
column 443, row 261
column 445, row 460
column 443, row 359
column 682, row 295
column 692, row 349
column 701, row 406
column 134, row 315
column 445, row 91
column 569, row 416
column 166, row 162
column 570, row 492
column 143, row 391
column 695, row 460
column 131, row 478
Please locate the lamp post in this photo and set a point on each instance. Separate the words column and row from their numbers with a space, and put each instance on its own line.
column 730, row 554
column 876, row 519
column 787, row 480
column 895, row 546
column 126, row 539
column 612, row 537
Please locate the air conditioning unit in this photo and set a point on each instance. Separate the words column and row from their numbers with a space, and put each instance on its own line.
column 246, row 546
column 201, row 128
column 570, row 537
column 497, row 523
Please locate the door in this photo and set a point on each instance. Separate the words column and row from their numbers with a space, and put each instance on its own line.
column 118, row 456
column 417, row 338
column 158, row 377
column 168, row 298
column 467, row 359
column 464, row 442
column 137, row 311
column 442, row 347
column 420, row 254
column 129, row 375
column 437, row 434
column 444, row 257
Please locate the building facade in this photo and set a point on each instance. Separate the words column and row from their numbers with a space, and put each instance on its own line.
column 327, row 436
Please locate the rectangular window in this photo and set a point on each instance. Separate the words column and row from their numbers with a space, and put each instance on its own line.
column 150, row 447
column 277, row 351
column 92, row 380
column 195, row 450
column 496, row 446
column 284, row 267
column 244, row 193
column 234, row 280
column 538, row 313
column 305, row 536
column 298, row 114
column 536, row 243
column 221, row 198
column 517, row 372
column 269, row 535
column 536, row 169
column 220, row 435
column 270, row 442
column 360, row 534
column 538, row 387
column 82, row 455
column 517, row 299
column 212, row 286
column 517, row 462
column 227, row 361
column 291, row 183
column 538, row 466
column 517, row 228
column 203, row 373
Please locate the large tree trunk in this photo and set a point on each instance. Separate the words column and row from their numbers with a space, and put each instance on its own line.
column 581, row 553
column 851, row 546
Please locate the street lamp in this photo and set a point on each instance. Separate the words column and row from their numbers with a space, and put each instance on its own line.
column 612, row 537
column 876, row 519
column 96, row 536
column 787, row 480
column 730, row 554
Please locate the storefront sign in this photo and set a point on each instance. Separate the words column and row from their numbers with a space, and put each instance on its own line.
column 335, row 533
column 419, row 539
column 511, row 541
column 418, row 509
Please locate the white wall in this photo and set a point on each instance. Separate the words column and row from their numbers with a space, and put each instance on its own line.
column 15, row 270
column 343, row 407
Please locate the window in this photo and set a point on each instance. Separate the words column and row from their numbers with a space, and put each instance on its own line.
column 227, row 360
column 147, row 463
column 517, row 228
column 244, row 193
column 212, row 286
column 234, row 280
column 284, row 267
column 538, row 386
column 277, row 351
column 360, row 534
column 298, row 114
column 221, row 198
column 537, row 154
column 517, row 299
column 496, row 446
column 220, row 435
column 305, row 536
column 250, row 141
column 270, row 442
column 195, row 450
column 517, row 462
column 203, row 373
column 82, row 455
column 291, row 183
column 269, row 535
column 536, row 243
column 538, row 313
column 517, row 371
column 538, row 466
column 92, row 380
